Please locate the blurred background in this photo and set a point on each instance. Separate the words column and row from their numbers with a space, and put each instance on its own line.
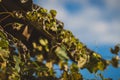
column 95, row 23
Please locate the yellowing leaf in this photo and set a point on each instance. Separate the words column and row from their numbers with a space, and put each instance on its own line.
column 53, row 28
column 17, row 26
column 34, row 45
column 47, row 49
column 96, row 55
column 49, row 64
column 39, row 58
column 43, row 42
column 81, row 62
column 39, row 48
column 3, row 65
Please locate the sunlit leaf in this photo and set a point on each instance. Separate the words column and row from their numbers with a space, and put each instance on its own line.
column 3, row 65
column 34, row 45
column 23, row 1
column 40, row 48
column 96, row 55
column 17, row 26
column 61, row 53
column 43, row 42
column 53, row 12
column 43, row 10
column 101, row 66
column 49, row 64
column 81, row 62
column 39, row 58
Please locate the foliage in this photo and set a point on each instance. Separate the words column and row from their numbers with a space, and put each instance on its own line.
column 53, row 45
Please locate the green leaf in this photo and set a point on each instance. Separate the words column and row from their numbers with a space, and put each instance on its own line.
column 53, row 12
column 115, row 61
column 101, row 66
column 65, row 76
column 39, row 57
column 116, row 49
column 43, row 10
column 17, row 62
column 3, row 40
column 74, row 68
column 61, row 53
column 75, row 76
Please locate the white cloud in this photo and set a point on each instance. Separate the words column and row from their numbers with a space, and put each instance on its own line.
column 113, row 4
column 89, row 24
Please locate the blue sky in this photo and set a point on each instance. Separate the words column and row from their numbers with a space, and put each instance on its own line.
column 95, row 22
column 92, row 21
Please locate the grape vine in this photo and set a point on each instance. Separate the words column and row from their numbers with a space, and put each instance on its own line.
column 42, row 43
